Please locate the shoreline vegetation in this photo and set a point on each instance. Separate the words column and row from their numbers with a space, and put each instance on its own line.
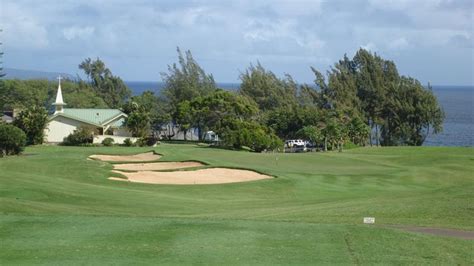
column 358, row 102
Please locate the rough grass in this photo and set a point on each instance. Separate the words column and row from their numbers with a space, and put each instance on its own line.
column 57, row 207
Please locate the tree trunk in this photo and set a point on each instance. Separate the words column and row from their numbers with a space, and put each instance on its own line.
column 199, row 133
column 370, row 132
column 377, row 140
column 185, row 132
column 427, row 134
column 171, row 132
column 325, row 143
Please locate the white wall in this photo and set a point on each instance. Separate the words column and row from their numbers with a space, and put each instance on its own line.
column 59, row 128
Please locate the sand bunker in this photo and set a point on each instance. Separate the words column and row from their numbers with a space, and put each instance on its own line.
column 142, row 157
column 202, row 176
column 156, row 166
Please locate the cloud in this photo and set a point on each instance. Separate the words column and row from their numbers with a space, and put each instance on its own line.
column 137, row 39
column 284, row 38
column 463, row 41
column 391, row 4
column 267, row 30
column 22, row 29
column 370, row 46
column 428, row 14
column 310, row 41
column 296, row 8
column 398, row 44
column 76, row 32
column 184, row 18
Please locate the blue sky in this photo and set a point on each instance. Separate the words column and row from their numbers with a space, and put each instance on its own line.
column 431, row 40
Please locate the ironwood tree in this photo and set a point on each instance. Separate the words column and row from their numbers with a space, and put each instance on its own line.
column 110, row 88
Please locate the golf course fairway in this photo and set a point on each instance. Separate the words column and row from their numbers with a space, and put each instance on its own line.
column 58, row 207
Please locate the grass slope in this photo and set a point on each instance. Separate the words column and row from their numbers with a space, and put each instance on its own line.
column 57, row 207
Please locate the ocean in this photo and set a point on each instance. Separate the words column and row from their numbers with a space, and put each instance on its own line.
column 458, row 126
column 456, row 101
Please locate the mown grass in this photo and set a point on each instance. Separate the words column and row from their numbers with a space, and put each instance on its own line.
column 57, row 207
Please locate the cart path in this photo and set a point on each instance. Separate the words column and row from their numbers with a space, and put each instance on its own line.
column 462, row 234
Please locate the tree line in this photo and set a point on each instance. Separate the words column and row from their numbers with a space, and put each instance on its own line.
column 359, row 101
column 363, row 101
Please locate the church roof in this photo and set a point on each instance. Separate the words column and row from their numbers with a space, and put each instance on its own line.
column 97, row 117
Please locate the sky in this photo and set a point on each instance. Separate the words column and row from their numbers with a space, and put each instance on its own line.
column 431, row 40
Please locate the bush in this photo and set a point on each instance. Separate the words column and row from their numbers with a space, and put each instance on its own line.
column 12, row 140
column 147, row 141
column 263, row 140
column 128, row 142
column 33, row 121
column 141, row 142
column 238, row 134
column 82, row 136
column 350, row 145
column 108, row 142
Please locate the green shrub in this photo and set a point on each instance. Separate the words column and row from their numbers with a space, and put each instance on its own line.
column 108, row 142
column 237, row 134
column 33, row 121
column 264, row 140
column 12, row 140
column 82, row 136
column 147, row 141
column 141, row 142
column 128, row 142
column 350, row 145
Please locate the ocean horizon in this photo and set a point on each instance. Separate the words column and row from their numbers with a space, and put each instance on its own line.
column 138, row 87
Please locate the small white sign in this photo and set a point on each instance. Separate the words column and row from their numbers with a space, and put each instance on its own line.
column 369, row 220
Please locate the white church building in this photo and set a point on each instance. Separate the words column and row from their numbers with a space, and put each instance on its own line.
column 109, row 122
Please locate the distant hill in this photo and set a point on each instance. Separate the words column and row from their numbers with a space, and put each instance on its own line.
column 13, row 73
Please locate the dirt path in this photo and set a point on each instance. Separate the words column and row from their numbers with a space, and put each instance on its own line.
column 156, row 166
column 438, row 231
column 202, row 176
column 142, row 157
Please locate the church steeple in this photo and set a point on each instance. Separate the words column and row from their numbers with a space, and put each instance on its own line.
column 59, row 99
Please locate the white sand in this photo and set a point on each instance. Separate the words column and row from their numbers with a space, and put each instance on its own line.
column 156, row 166
column 202, row 176
column 142, row 157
